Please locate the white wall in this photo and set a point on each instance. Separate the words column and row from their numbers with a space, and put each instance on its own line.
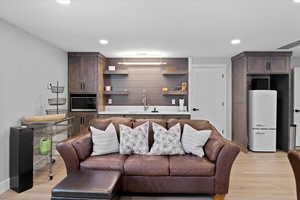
column 227, row 63
column 27, row 64
column 296, row 61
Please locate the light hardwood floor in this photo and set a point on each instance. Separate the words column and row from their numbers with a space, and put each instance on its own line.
column 255, row 176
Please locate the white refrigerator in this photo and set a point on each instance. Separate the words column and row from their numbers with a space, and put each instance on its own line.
column 262, row 120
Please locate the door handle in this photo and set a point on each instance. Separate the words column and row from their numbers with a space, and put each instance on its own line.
column 297, row 110
column 195, row 109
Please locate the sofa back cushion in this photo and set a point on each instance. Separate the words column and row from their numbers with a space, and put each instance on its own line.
column 102, row 124
column 215, row 142
column 161, row 122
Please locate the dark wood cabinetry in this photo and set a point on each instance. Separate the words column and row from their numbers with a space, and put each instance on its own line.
column 86, row 77
column 83, row 72
column 247, row 65
column 267, row 63
column 82, row 120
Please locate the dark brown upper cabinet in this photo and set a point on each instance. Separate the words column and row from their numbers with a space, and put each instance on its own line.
column 257, row 64
column 280, row 64
column 268, row 62
column 83, row 72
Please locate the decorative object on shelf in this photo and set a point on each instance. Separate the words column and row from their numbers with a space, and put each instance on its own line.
column 56, row 89
column 171, row 68
column 111, row 68
column 165, row 89
column 108, row 88
column 184, row 86
column 181, row 105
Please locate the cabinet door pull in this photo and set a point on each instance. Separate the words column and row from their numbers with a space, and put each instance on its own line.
column 268, row 66
column 81, row 85
column 84, row 85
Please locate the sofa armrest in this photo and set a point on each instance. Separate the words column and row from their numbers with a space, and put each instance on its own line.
column 69, row 155
column 224, row 163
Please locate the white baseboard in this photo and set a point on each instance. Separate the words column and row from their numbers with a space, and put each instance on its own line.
column 4, row 186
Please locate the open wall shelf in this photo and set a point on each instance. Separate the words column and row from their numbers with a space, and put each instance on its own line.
column 116, row 92
column 174, row 73
column 117, row 72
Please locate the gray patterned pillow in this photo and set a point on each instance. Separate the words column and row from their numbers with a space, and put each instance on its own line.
column 134, row 140
column 166, row 142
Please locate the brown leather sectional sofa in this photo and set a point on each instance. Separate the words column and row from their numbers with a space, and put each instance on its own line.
column 185, row 174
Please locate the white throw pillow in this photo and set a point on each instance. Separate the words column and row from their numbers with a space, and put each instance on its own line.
column 104, row 142
column 134, row 140
column 194, row 140
column 166, row 142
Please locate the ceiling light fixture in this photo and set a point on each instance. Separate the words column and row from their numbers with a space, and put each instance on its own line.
column 235, row 41
column 142, row 63
column 296, row 1
column 103, row 42
column 64, row 2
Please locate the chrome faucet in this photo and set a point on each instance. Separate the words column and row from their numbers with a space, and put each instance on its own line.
column 144, row 100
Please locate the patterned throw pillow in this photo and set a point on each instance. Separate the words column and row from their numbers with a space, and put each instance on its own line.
column 166, row 142
column 104, row 142
column 194, row 140
column 134, row 140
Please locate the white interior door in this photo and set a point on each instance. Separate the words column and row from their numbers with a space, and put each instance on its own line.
column 297, row 103
column 208, row 95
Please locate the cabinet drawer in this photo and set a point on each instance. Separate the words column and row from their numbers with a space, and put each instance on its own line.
column 257, row 64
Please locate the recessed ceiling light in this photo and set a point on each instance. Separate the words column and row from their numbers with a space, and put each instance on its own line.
column 296, row 1
column 103, row 42
column 64, row 2
column 235, row 41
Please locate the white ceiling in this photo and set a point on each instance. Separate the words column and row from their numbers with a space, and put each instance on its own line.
column 175, row 28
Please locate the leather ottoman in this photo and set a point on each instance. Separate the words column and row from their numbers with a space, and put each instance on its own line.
column 88, row 185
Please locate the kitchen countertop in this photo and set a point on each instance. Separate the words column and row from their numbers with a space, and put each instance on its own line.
column 139, row 110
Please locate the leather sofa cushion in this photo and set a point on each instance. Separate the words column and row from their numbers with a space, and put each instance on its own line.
column 146, row 165
column 161, row 122
column 105, row 162
column 189, row 165
column 102, row 124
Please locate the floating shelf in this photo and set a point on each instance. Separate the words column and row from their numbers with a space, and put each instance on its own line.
column 170, row 72
column 174, row 93
column 117, row 72
column 116, row 93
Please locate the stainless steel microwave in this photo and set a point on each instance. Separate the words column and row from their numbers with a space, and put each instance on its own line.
column 83, row 102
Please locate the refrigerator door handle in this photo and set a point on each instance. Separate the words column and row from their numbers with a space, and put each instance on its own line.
column 260, row 133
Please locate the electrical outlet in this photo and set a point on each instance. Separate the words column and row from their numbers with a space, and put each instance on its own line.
column 109, row 101
column 173, row 101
